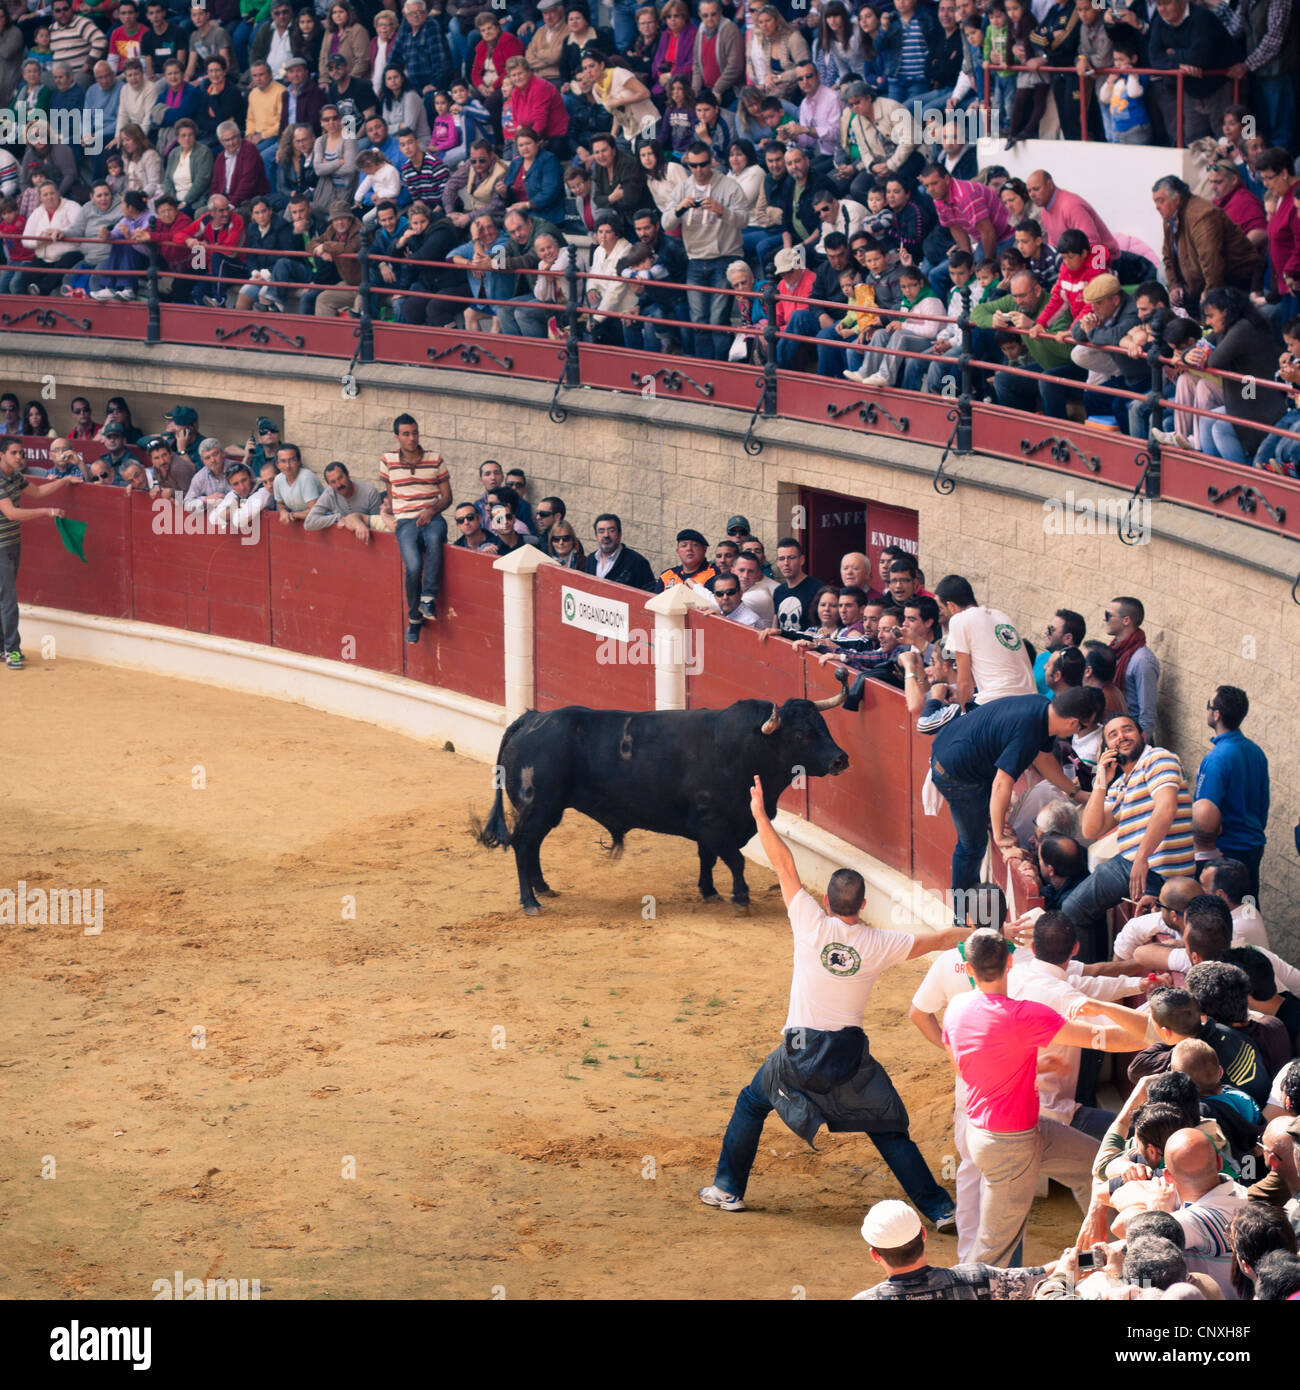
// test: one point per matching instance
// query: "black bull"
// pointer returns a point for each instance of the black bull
(676, 772)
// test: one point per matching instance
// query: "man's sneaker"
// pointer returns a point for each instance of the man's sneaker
(947, 1222)
(413, 632)
(102, 293)
(724, 1201)
(429, 609)
(268, 301)
(126, 294)
(876, 379)
(213, 302)
(15, 660)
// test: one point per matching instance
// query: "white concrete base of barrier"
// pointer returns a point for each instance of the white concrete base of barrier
(424, 712)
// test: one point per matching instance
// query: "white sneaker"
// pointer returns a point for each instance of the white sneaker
(724, 1201)
(126, 294)
(101, 294)
(850, 375)
(875, 379)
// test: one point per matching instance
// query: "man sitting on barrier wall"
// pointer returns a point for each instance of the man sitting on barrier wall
(419, 491)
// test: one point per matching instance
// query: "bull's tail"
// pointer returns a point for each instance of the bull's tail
(496, 833)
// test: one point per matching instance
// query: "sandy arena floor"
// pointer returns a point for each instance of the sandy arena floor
(560, 1163)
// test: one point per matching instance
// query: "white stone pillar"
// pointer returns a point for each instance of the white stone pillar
(517, 570)
(670, 609)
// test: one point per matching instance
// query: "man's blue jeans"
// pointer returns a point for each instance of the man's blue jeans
(969, 804)
(709, 308)
(421, 551)
(526, 319)
(1104, 888)
(1092, 1122)
(740, 1147)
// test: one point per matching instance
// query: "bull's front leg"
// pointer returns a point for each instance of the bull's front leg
(707, 860)
(735, 861)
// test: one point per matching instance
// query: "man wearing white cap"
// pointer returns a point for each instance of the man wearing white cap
(897, 1240)
(823, 1072)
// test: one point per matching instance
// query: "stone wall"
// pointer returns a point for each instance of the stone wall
(1217, 592)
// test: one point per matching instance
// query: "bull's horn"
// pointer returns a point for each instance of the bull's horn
(772, 724)
(832, 701)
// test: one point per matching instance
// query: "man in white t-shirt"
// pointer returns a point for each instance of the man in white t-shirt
(991, 659)
(823, 1072)
(755, 588)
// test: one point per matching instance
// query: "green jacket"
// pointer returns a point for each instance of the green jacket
(1046, 352)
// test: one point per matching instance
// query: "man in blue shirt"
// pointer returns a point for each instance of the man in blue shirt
(977, 759)
(1230, 805)
(1067, 629)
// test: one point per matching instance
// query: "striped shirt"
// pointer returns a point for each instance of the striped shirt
(968, 204)
(1131, 800)
(75, 41)
(413, 486)
(1205, 1224)
(914, 52)
(426, 183)
(11, 487)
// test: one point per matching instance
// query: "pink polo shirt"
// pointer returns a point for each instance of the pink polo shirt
(1070, 210)
(995, 1042)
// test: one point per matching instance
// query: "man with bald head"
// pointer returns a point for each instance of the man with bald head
(1059, 209)
(1203, 1202)
(1165, 924)
(1281, 1144)
(855, 572)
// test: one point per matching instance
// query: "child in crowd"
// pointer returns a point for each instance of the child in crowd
(1040, 257)
(1009, 262)
(1277, 453)
(1124, 94)
(445, 137)
(677, 128)
(997, 56)
(41, 51)
(115, 174)
(16, 254)
(1031, 89)
(380, 181)
(472, 117)
(986, 275)
(879, 221)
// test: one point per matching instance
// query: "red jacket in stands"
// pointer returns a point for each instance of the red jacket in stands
(506, 47)
(171, 237)
(241, 178)
(538, 105)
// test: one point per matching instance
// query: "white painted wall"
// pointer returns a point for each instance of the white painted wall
(1115, 179)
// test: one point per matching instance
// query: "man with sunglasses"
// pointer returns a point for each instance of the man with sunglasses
(711, 215)
(549, 511)
(262, 444)
(471, 535)
(731, 606)
(85, 426)
(75, 39)
(476, 187)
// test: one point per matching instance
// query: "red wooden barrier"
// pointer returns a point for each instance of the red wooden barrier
(1268, 499)
(465, 650)
(825, 401)
(671, 378)
(335, 598)
(50, 576)
(871, 804)
(567, 669)
(732, 664)
(209, 582)
(1090, 455)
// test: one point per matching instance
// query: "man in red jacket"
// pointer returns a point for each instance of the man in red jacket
(217, 233)
(238, 171)
(532, 102)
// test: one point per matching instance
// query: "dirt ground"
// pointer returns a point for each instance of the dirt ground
(528, 1104)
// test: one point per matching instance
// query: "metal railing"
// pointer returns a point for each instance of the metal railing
(1084, 96)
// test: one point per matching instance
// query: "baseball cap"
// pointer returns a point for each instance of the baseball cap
(336, 60)
(551, 5)
(890, 1224)
(182, 415)
(689, 535)
(265, 425)
(737, 523)
(1100, 288)
(114, 427)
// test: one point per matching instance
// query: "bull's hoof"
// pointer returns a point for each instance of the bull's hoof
(741, 903)
(544, 891)
(533, 910)
(710, 897)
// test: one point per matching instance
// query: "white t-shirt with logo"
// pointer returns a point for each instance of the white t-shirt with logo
(836, 965)
(998, 661)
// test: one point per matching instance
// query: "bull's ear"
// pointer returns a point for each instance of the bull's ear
(772, 723)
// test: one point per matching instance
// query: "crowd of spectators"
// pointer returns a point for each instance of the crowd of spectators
(826, 151)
